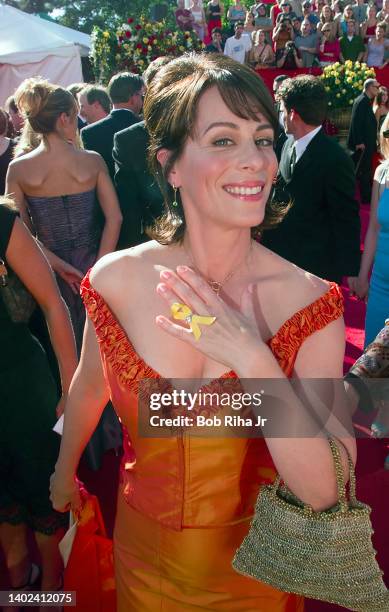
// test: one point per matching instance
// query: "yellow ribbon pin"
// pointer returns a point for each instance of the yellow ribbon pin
(181, 312)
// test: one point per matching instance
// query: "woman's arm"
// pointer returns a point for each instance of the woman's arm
(87, 398)
(370, 244)
(39, 280)
(108, 200)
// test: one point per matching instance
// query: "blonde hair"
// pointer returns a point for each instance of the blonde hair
(41, 103)
(28, 141)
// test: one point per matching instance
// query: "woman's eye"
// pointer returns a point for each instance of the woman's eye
(223, 142)
(264, 142)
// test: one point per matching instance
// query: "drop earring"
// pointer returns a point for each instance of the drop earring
(175, 203)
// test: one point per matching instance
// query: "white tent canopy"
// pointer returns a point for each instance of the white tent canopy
(83, 41)
(29, 48)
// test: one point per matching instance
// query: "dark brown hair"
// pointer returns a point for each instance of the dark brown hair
(170, 111)
(306, 95)
(41, 103)
(3, 122)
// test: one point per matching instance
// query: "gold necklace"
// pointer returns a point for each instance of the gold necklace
(217, 286)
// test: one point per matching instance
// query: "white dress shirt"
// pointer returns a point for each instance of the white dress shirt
(301, 144)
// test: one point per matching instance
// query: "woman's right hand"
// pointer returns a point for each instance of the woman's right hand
(69, 274)
(65, 494)
(361, 287)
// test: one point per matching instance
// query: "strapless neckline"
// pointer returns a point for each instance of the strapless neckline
(64, 195)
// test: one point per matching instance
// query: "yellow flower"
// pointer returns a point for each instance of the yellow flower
(141, 62)
(337, 82)
(338, 95)
(155, 42)
(181, 48)
(328, 89)
(350, 101)
(149, 47)
(117, 57)
(343, 91)
(349, 80)
(145, 40)
(106, 34)
(190, 40)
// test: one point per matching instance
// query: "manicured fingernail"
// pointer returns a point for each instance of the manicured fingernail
(161, 288)
(166, 274)
(182, 269)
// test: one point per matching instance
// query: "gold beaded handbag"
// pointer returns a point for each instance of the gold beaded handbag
(324, 555)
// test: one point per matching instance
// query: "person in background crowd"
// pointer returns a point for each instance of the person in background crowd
(282, 34)
(262, 21)
(280, 136)
(337, 7)
(238, 46)
(286, 10)
(139, 195)
(16, 118)
(381, 107)
(289, 58)
(75, 89)
(94, 103)
(216, 45)
(184, 18)
(275, 11)
(343, 20)
(162, 515)
(351, 44)
(236, 13)
(321, 231)
(29, 408)
(57, 189)
(306, 44)
(261, 54)
(6, 149)
(296, 25)
(126, 91)
(383, 14)
(376, 47)
(249, 27)
(327, 19)
(362, 137)
(376, 248)
(214, 13)
(329, 50)
(368, 27)
(308, 15)
(359, 11)
(199, 21)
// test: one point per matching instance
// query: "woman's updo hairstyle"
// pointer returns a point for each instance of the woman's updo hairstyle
(41, 103)
(170, 110)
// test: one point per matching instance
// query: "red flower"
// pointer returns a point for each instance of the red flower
(120, 38)
(138, 27)
(128, 34)
(139, 46)
(186, 36)
(144, 50)
(130, 20)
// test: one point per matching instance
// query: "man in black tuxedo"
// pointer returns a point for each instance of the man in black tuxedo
(321, 231)
(140, 198)
(126, 91)
(362, 138)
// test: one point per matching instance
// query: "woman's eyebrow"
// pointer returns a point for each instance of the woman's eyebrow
(260, 127)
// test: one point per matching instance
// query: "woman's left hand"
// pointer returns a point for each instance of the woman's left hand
(233, 335)
(61, 405)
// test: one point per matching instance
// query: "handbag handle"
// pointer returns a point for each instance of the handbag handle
(342, 495)
(3, 274)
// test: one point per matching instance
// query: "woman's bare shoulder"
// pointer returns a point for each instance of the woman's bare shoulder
(125, 269)
(287, 289)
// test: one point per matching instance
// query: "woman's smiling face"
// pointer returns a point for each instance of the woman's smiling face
(226, 170)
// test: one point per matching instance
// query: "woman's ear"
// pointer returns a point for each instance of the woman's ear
(163, 156)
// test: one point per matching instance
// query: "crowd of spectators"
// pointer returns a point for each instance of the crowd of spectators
(291, 34)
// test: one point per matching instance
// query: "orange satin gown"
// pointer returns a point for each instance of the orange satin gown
(185, 503)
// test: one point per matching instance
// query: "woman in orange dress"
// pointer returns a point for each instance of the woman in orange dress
(185, 502)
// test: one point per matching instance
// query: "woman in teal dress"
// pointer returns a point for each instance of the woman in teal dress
(376, 249)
